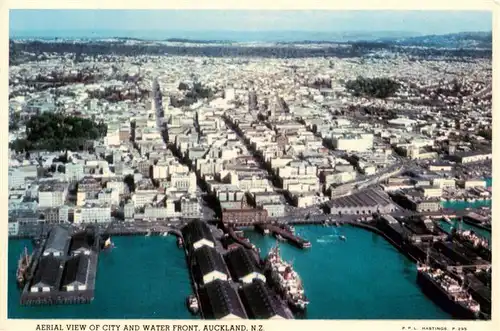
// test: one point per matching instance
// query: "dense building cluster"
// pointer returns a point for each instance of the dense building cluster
(259, 138)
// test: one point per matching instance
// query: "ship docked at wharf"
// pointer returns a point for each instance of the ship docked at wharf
(285, 280)
(473, 241)
(471, 238)
(22, 268)
(447, 292)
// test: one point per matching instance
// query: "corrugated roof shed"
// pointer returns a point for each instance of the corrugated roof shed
(81, 240)
(367, 198)
(260, 302)
(241, 262)
(76, 270)
(57, 240)
(219, 299)
(47, 273)
(208, 259)
(196, 230)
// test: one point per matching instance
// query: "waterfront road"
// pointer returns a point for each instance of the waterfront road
(321, 218)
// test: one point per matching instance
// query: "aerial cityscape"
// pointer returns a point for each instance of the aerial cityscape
(219, 173)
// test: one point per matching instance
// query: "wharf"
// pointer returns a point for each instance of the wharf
(486, 227)
(64, 297)
(214, 281)
(57, 294)
(296, 240)
(230, 231)
(480, 292)
(142, 231)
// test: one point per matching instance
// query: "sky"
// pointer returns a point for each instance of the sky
(420, 22)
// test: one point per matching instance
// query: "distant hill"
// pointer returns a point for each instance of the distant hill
(452, 40)
(194, 41)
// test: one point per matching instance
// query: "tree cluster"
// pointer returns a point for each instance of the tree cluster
(130, 182)
(321, 83)
(485, 133)
(372, 87)
(14, 120)
(197, 92)
(115, 95)
(53, 132)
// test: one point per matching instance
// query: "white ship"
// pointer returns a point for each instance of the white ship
(285, 279)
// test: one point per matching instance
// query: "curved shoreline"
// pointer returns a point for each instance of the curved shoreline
(386, 237)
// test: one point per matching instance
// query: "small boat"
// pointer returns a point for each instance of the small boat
(108, 244)
(192, 304)
(180, 242)
(342, 238)
(148, 233)
(164, 234)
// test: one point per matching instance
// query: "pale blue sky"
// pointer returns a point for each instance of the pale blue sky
(424, 22)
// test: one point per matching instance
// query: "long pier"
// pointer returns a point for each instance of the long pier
(296, 240)
(232, 234)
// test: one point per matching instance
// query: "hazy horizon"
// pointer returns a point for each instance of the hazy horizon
(235, 25)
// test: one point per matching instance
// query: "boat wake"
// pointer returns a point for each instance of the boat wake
(330, 238)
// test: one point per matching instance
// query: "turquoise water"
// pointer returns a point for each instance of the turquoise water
(146, 277)
(464, 204)
(363, 277)
(489, 181)
(143, 277)
(447, 227)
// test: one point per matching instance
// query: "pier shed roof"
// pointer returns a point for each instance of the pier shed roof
(208, 260)
(47, 272)
(260, 302)
(367, 198)
(57, 241)
(76, 271)
(219, 300)
(197, 231)
(243, 265)
(81, 241)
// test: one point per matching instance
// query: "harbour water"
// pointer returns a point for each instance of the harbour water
(462, 205)
(363, 277)
(465, 204)
(455, 224)
(142, 277)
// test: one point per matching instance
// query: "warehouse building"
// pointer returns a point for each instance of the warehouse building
(47, 275)
(363, 203)
(57, 242)
(221, 301)
(197, 234)
(209, 265)
(75, 273)
(260, 303)
(82, 243)
(243, 266)
(417, 201)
